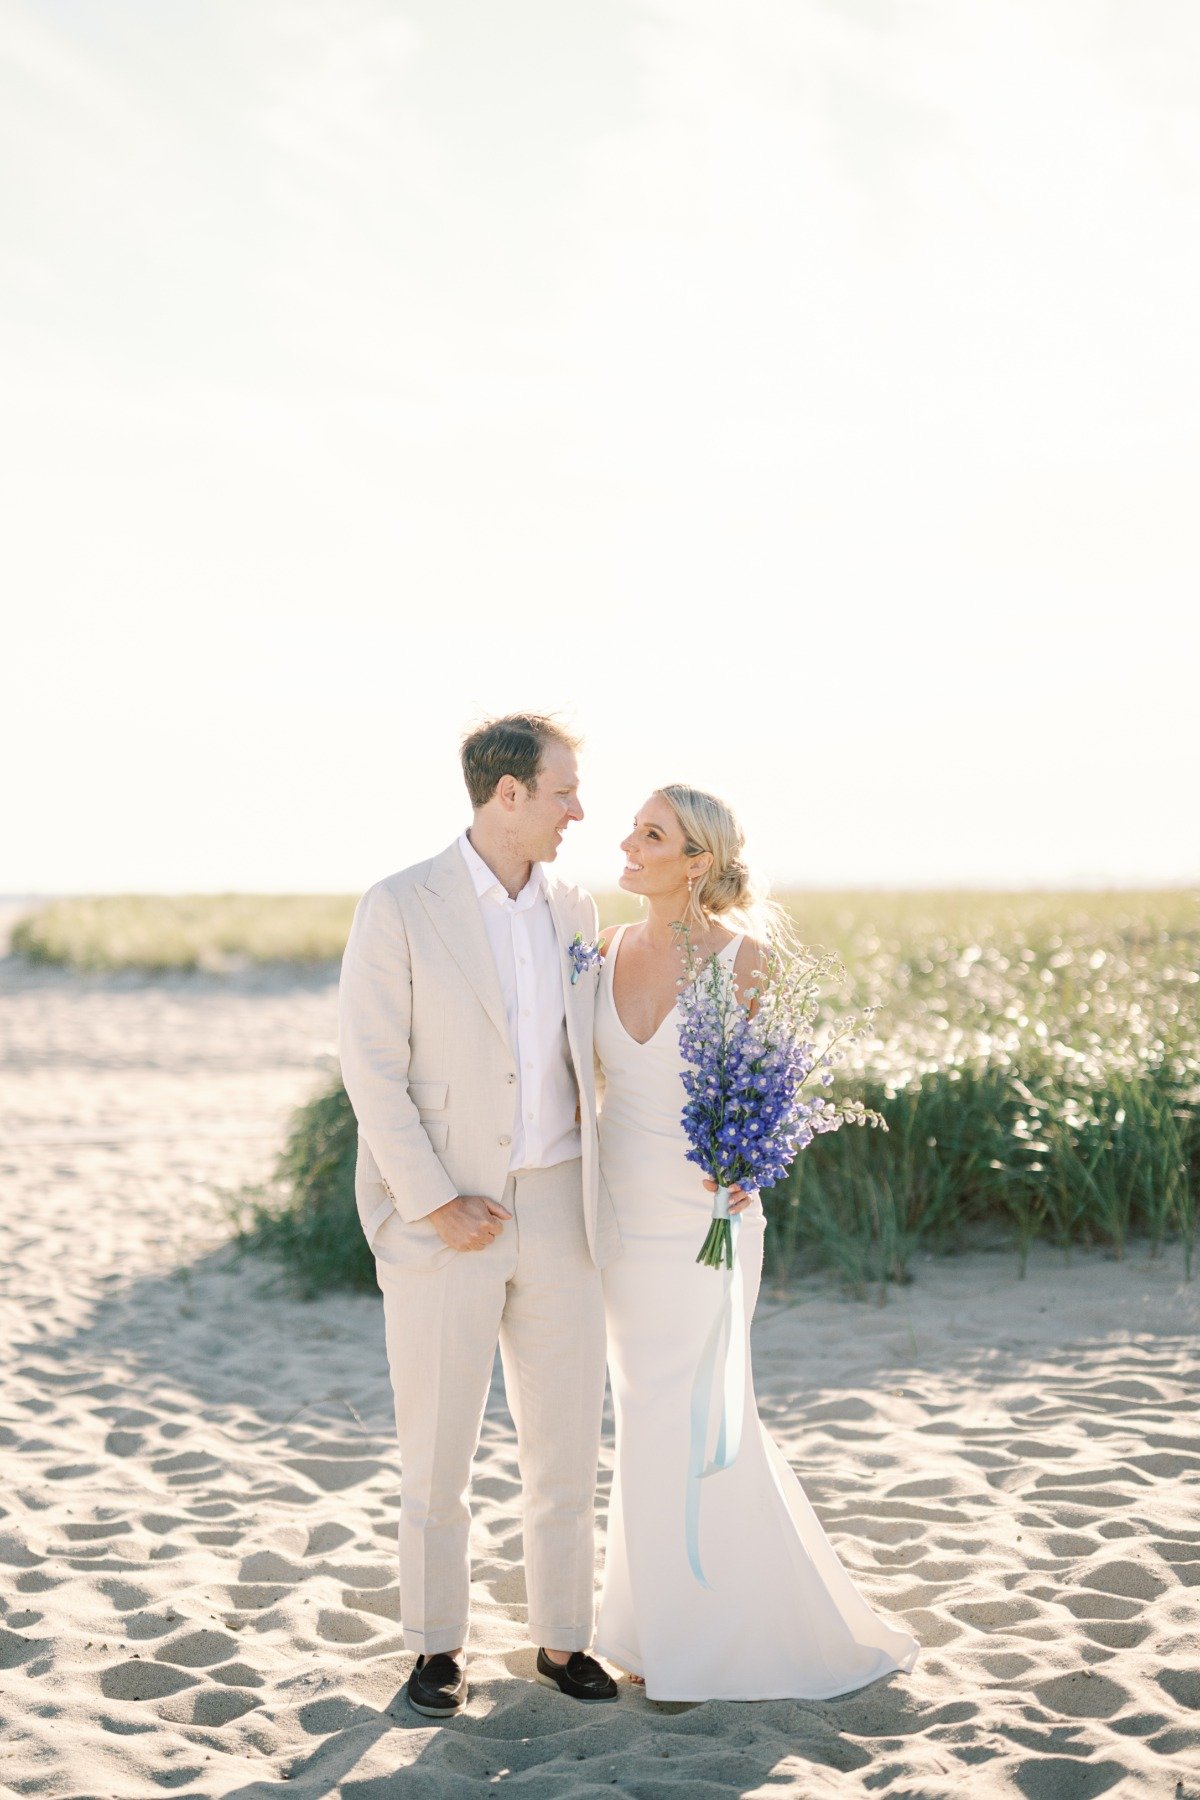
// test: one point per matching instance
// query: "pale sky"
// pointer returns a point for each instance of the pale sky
(801, 395)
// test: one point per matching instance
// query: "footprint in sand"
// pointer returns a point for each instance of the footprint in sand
(255, 1597)
(1069, 1543)
(1082, 1695)
(939, 1488)
(15, 1649)
(186, 1467)
(1183, 1685)
(333, 1475)
(82, 1533)
(1055, 1777)
(1130, 1390)
(325, 1538)
(1133, 1581)
(338, 1627)
(137, 1680)
(1114, 1634)
(321, 1718)
(123, 1443)
(383, 1603)
(1162, 1463)
(21, 1621)
(235, 1674)
(198, 1649)
(1005, 1665)
(149, 1625)
(264, 1566)
(995, 1615)
(1183, 1556)
(212, 1707)
(35, 1582)
(1089, 1605)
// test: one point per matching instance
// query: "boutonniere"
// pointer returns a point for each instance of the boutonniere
(583, 957)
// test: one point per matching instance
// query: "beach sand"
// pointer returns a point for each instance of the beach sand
(199, 1484)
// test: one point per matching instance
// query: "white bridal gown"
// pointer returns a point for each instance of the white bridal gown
(781, 1618)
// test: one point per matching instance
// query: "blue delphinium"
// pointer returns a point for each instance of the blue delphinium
(746, 1115)
(583, 957)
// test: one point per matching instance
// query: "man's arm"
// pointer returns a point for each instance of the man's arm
(374, 1030)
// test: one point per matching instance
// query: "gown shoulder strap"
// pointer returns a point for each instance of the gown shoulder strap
(614, 944)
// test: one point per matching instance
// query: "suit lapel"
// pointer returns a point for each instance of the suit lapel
(450, 899)
(564, 967)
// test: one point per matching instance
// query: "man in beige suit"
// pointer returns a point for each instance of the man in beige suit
(466, 1050)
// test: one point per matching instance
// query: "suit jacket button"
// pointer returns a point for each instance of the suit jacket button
(505, 1139)
(510, 1078)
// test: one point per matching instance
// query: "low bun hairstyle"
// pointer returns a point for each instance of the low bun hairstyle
(731, 891)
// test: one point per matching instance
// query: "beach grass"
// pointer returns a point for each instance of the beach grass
(1037, 1058)
(161, 932)
(158, 932)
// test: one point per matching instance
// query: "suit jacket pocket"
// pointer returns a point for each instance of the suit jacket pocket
(428, 1096)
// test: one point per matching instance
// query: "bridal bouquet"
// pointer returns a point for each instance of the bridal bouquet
(748, 1114)
(747, 1117)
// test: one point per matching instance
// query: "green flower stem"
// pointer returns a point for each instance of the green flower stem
(717, 1248)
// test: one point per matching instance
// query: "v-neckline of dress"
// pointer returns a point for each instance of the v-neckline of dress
(644, 1043)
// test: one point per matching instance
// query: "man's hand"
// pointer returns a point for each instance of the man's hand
(470, 1222)
(739, 1198)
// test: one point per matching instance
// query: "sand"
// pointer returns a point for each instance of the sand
(199, 1487)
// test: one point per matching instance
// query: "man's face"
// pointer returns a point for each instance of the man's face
(542, 817)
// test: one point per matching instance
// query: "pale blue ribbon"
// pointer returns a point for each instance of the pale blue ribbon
(722, 1366)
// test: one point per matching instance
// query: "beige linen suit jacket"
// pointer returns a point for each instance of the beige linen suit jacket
(426, 1058)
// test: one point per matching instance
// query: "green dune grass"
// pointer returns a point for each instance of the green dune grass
(157, 932)
(215, 931)
(1037, 1058)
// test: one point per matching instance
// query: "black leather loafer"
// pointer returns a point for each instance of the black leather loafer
(437, 1687)
(581, 1676)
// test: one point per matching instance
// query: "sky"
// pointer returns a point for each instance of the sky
(801, 397)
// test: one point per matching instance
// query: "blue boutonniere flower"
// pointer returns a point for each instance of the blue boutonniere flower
(583, 957)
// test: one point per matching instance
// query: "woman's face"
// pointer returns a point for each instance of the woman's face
(656, 860)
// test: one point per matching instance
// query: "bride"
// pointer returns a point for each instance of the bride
(780, 1617)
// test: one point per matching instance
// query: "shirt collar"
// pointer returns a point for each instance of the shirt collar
(488, 885)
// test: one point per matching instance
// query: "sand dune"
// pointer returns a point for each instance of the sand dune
(199, 1500)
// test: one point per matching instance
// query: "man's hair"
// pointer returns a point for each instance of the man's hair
(512, 746)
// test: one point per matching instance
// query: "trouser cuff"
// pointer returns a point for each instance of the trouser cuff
(434, 1643)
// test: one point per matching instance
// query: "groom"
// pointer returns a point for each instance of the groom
(466, 1050)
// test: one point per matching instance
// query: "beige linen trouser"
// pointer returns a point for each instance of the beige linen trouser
(536, 1289)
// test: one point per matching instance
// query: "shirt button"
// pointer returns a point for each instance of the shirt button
(505, 1139)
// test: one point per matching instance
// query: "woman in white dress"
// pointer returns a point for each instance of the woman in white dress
(780, 1618)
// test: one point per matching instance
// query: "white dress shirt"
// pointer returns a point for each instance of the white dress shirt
(529, 962)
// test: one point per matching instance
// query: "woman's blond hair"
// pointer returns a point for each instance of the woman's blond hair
(726, 891)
